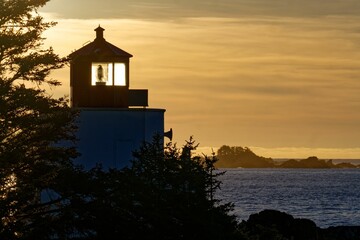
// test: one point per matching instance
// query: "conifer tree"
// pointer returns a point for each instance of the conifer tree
(166, 193)
(34, 127)
(175, 189)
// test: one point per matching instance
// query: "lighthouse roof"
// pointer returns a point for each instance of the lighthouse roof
(100, 47)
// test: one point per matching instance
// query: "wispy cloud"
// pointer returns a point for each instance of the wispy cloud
(164, 9)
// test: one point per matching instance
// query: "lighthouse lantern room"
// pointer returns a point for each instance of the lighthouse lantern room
(100, 76)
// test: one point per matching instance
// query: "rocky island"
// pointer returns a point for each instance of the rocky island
(239, 157)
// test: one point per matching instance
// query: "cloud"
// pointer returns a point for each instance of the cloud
(164, 9)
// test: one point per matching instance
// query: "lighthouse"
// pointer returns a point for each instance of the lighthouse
(114, 120)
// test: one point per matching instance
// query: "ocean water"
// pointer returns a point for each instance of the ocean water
(329, 197)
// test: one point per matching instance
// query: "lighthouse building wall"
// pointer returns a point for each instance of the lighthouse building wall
(109, 136)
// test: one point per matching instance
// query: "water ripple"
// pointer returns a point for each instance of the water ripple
(329, 197)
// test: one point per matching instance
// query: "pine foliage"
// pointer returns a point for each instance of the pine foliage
(34, 127)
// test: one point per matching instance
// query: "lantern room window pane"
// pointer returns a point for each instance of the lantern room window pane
(120, 76)
(101, 74)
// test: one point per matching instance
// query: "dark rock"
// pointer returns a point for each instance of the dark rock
(345, 165)
(304, 229)
(276, 225)
(272, 224)
(341, 233)
(310, 162)
(291, 164)
(272, 218)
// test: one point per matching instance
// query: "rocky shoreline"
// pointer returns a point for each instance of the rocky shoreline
(276, 225)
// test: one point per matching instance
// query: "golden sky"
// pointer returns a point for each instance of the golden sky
(279, 76)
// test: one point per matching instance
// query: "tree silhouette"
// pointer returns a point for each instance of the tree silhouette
(179, 190)
(32, 124)
(167, 193)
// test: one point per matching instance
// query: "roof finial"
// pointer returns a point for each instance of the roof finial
(99, 32)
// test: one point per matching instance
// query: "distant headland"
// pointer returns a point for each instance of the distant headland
(243, 157)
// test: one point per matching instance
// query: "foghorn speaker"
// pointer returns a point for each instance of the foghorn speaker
(169, 134)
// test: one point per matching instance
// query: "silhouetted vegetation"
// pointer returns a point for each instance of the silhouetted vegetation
(165, 194)
(235, 157)
(31, 122)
